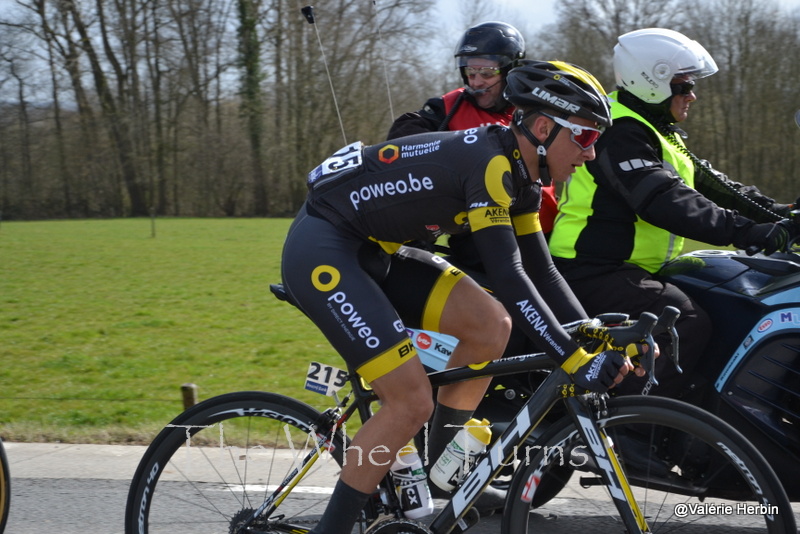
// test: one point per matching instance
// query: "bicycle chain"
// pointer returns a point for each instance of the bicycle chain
(397, 526)
(244, 516)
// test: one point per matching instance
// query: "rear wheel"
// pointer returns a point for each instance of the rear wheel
(688, 470)
(5, 488)
(215, 464)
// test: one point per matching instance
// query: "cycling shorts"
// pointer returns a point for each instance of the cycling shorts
(360, 297)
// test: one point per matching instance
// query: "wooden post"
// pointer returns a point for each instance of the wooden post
(152, 221)
(189, 392)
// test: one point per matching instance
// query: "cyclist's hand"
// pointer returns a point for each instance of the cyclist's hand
(602, 372)
(635, 351)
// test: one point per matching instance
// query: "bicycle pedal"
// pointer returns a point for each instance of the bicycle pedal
(469, 520)
(589, 481)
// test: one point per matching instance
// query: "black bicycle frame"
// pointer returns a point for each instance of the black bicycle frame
(557, 386)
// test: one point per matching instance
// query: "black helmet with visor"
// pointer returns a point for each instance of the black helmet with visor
(496, 41)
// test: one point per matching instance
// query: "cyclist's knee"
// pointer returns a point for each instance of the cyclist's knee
(410, 412)
(489, 335)
(420, 410)
(407, 392)
(498, 332)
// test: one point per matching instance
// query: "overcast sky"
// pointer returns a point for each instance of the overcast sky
(545, 12)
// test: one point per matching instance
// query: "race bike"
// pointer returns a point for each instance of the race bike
(752, 363)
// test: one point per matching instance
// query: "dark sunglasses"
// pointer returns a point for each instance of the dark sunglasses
(682, 88)
(583, 136)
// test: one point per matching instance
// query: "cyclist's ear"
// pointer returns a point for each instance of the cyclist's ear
(541, 127)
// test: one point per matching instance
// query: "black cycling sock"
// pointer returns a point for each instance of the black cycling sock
(445, 425)
(342, 512)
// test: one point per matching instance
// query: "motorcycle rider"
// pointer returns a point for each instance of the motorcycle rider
(364, 202)
(484, 55)
(626, 213)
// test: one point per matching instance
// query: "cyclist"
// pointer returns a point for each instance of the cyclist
(484, 55)
(625, 214)
(345, 266)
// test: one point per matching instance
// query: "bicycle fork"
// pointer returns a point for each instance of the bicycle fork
(610, 470)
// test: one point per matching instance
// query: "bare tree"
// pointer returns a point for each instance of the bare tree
(251, 98)
(744, 135)
(114, 107)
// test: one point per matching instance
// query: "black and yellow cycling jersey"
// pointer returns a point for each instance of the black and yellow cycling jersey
(345, 264)
(422, 186)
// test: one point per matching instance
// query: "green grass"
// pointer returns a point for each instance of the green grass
(101, 323)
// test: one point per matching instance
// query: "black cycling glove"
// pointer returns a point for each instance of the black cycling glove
(595, 372)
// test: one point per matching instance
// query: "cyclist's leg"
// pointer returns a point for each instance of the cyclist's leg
(333, 282)
(482, 325)
(453, 304)
(447, 301)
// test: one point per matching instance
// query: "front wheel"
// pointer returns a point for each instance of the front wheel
(215, 464)
(688, 470)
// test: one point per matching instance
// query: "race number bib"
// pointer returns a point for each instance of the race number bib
(344, 159)
(325, 379)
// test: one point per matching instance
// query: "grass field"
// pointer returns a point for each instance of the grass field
(101, 323)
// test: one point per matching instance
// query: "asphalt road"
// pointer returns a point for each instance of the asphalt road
(81, 489)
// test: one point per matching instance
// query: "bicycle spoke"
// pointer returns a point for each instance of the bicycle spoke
(233, 465)
(689, 473)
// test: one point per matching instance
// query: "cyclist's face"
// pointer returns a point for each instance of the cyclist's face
(564, 156)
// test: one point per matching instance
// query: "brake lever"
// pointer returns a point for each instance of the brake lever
(666, 324)
(645, 325)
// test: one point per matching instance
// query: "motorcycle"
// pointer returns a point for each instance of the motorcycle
(752, 363)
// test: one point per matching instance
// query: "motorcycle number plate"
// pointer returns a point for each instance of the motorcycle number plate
(325, 379)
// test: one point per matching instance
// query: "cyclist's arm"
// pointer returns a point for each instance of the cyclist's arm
(501, 258)
(540, 269)
(426, 119)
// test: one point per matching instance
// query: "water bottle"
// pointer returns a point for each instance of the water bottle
(459, 455)
(412, 484)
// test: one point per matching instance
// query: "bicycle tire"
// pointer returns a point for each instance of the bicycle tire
(239, 446)
(680, 460)
(5, 488)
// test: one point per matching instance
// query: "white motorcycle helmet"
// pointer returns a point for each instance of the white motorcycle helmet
(645, 61)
